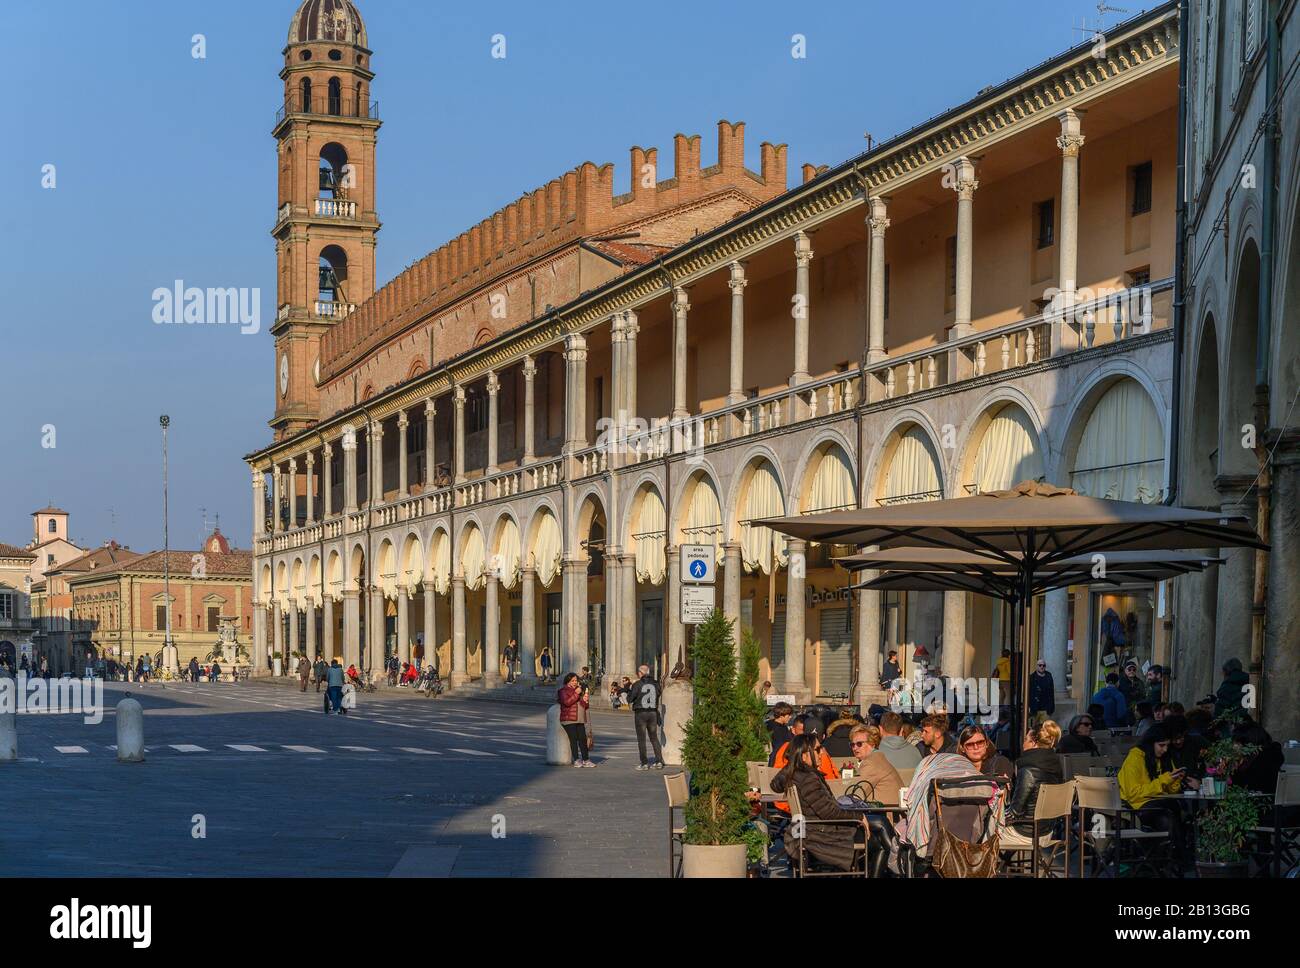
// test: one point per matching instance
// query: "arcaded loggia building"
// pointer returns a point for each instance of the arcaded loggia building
(512, 438)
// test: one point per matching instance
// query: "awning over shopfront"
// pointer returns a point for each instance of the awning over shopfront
(651, 564)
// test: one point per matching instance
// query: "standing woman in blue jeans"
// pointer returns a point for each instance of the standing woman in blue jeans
(573, 707)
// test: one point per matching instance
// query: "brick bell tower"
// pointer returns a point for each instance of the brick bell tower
(325, 225)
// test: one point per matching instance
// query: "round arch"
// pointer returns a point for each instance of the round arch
(647, 533)
(504, 548)
(545, 544)
(761, 494)
(1003, 445)
(1116, 440)
(411, 571)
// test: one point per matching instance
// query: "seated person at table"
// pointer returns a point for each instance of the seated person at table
(1038, 764)
(1145, 718)
(1149, 781)
(984, 756)
(1097, 713)
(1259, 773)
(1186, 751)
(1113, 703)
(935, 737)
(779, 727)
(353, 675)
(872, 765)
(837, 733)
(1078, 738)
(894, 747)
(809, 726)
(832, 844)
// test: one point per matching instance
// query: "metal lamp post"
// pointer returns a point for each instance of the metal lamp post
(169, 650)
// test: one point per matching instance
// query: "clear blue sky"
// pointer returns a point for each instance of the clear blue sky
(165, 170)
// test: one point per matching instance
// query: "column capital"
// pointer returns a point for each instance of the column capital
(617, 333)
(1071, 137)
(681, 302)
(803, 251)
(963, 178)
(630, 327)
(737, 282)
(327, 453)
(259, 479)
(430, 408)
(575, 348)
(458, 396)
(402, 420)
(530, 368)
(349, 438)
(377, 430)
(310, 459)
(493, 384)
(878, 219)
(293, 464)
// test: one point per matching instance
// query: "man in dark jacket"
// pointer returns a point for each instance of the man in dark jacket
(1233, 687)
(1038, 764)
(643, 698)
(320, 671)
(890, 672)
(1112, 702)
(1042, 691)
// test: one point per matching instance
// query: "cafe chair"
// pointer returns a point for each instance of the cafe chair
(1120, 838)
(1274, 845)
(751, 772)
(1052, 809)
(678, 794)
(806, 864)
(1077, 764)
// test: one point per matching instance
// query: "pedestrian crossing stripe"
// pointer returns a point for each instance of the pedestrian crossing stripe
(245, 748)
(359, 749)
(187, 748)
(302, 749)
(471, 752)
(414, 749)
(516, 742)
(520, 753)
(72, 749)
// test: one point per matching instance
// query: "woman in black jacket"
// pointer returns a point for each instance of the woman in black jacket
(1079, 737)
(1038, 764)
(833, 844)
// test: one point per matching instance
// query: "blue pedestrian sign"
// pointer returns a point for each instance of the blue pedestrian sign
(699, 564)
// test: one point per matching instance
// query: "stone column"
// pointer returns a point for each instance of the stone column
(627, 614)
(377, 463)
(293, 493)
(351, 628)
(295, 643)
(673, 610)
(1056, 630)
(870, 660)
(493, 388)
(458, 419)
(277, 629)
(327, 486)
(259, 638)
(737, 283)
(680, 308)
(731, 587)
(403, 624)
(492, 634)
(575, 395)
(952, 657)
(311, 486)
(1067, 240)
(259, 503)
(528, 625)
(377, 626)
(327, 628)
(430, 412)
(964, 184)
(311, 631)
(403, 492)
(878, 221)
(349, 446)
(459, 657)
(277, 492)
(630, 329)
(1280, 689)
(574, 650)
(614, 662)
(1236, 587)
(803, 254)
(430, 621)
(530, 406)
(795, 607)
(618, 371)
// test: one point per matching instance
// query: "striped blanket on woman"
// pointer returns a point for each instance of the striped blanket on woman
(920, 811)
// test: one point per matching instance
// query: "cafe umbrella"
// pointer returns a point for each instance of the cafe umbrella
(1029, 529)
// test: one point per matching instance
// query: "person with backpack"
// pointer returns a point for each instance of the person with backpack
(334, 687)
(546, 663)
(643, 698)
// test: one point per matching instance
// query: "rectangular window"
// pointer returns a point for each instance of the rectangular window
(554, 612)
(1045, 215)
(6, 605)
(476, 411)
(213, 614)
(1141, 188)
(160, 618)
(1140, 277)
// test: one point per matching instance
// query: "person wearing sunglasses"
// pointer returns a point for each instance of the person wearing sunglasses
(984, 756)
(1042, 691)
(872, 765)
(1078, 737)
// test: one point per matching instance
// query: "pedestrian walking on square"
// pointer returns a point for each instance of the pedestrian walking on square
(214, 674)
(546, 663)
(304, 673)
(333, 687)
(45, 668)
(394, 669)
(321, 670)
(512, 653)
(643, 697)
(194, 669)
(573, 708)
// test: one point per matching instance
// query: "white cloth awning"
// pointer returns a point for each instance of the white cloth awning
(761, 547)
(648, 536)
(548, 546)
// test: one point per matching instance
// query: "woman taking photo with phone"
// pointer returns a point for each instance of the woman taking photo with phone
(573, 702)
(1149, 783)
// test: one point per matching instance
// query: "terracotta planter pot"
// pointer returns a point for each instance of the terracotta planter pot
(1208, 868)
(728, 861)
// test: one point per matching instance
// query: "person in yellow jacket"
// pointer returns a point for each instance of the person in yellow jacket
(1149, 782)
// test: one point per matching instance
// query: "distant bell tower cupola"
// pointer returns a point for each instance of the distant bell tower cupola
(326, 222)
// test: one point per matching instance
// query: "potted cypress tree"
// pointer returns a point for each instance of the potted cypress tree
(717, 812)
(753, 710)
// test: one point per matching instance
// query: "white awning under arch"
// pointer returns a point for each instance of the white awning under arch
(704, 517)
(1121, 454)
(506, 561)
(760, 547)
(548, 546)
(832, 487)
(648, 537)
(1008, 452)
(441, 563)
(473, 560)
(913, 470)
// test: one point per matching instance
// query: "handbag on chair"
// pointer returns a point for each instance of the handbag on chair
(953, 857)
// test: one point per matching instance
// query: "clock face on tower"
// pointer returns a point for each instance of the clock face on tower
(284, 375)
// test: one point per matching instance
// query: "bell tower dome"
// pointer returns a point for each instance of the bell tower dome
(325, 224)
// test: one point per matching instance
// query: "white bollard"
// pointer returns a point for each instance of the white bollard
(679, 700)
(130, 731)
(8, 736)
(558, 752)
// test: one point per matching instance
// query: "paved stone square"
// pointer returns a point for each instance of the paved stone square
(402, 786)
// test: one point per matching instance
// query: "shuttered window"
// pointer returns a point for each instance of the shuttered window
(778, 651)
(835, 658)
